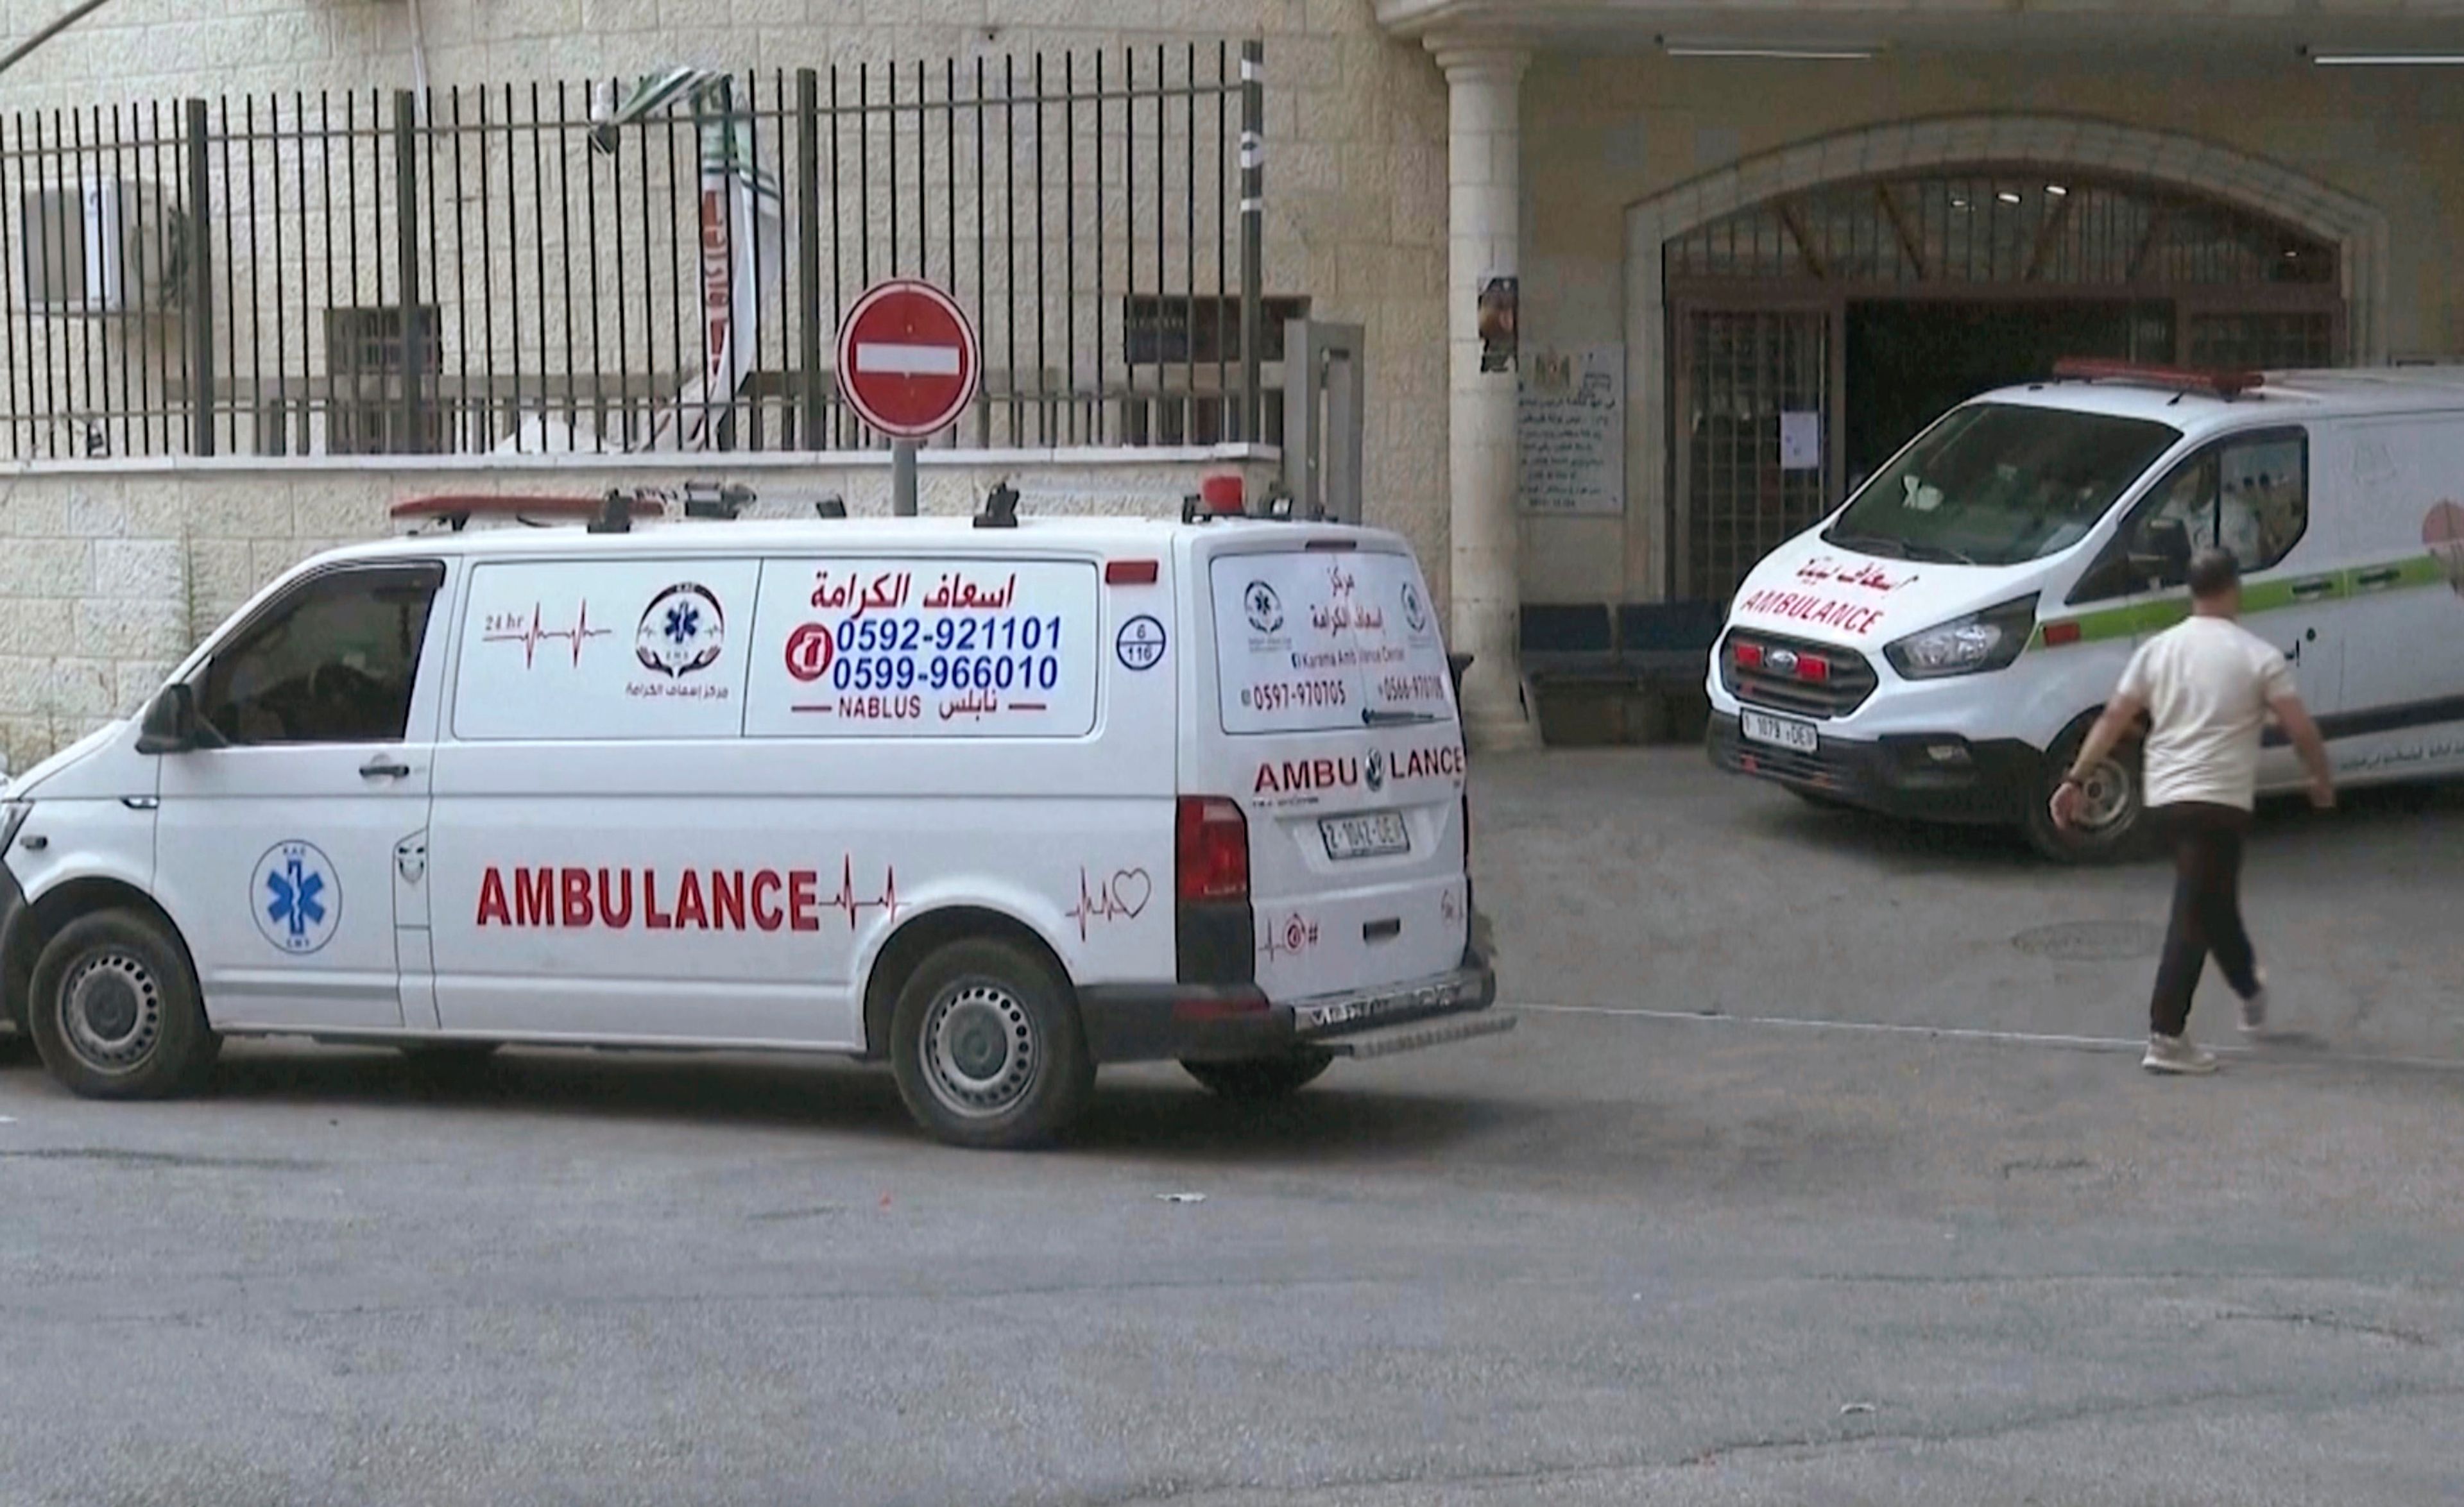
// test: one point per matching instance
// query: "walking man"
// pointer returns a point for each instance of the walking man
(2208, 688)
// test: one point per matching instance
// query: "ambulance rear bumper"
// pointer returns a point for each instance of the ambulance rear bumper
(1202, 1023)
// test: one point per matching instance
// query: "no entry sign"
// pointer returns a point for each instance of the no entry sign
(908, 359)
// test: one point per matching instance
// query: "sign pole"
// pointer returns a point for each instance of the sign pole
(902, 478)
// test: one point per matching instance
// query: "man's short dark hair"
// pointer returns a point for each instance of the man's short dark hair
(2213, 573)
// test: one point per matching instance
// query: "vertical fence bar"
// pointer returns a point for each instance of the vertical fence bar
(808, 257)
(677, 283)
(446, 422)
(461, 283)
(405, 230)
(1043, 258)
(751, 433)
(1162, 278)
(11, 228)
(1189, 252)
(325, 175)
(838, 251)
(598, 309)
(564, 241)
(1223, 420)
(1253, 212)
(201, 284)
(132, 290)
(889, 129)
(984, 283)
(539, 250)
(513, 268)
(280, 405)
(1009, 231)
(75, 181)
(1102, 226)
(1069, 234)
(923, 183)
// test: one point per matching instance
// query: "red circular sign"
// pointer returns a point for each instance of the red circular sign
(908, 359)
(810, 649)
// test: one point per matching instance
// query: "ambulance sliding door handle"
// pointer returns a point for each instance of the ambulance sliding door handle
(381, 767)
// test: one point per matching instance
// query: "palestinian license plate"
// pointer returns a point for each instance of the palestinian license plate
(1778, 732)
(1373, 835)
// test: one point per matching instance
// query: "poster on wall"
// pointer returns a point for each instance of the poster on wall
(1571, 418)
(1501, 300)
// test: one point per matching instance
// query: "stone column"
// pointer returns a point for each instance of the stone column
(1484, 236)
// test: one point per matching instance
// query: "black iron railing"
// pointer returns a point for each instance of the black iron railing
(649, 265)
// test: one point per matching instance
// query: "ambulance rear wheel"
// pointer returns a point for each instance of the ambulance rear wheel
(114, 1012)
(986, 1045)
(1263, 1077)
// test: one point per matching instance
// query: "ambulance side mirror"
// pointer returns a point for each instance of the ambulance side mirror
(171, 724)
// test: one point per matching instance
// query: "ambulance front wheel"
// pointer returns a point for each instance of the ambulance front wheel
(2112, 818)
(1263, 1077)
(115, 1011)
(987, 1047)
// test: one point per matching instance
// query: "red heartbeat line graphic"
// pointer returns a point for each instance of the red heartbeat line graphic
(1296, 935)
(530, 636)
(1119, 898)
(845, 900)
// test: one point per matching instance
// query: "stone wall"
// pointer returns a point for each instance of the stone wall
(109, 576)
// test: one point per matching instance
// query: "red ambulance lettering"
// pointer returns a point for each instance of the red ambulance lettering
(491, 899)
(534, 897)
(766, 913)
(727, 900)
(653, 916)
(690, 914)
(1446, 763)
(1299, 776)
(616, 909)
(574, 885)
(804, 899)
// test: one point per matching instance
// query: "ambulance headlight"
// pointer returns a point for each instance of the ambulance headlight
(1981, 640)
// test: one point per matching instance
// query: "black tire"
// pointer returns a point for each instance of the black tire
(114, 1010)
(987, 1046)
(1261, 1079)
(2116, 787)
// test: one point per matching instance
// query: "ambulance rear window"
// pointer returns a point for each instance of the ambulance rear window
(1323, 642)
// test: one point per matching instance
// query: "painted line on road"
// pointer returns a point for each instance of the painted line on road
(2071, 1043)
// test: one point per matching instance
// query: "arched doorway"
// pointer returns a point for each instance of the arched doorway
(1816, 332)
(1749, 315)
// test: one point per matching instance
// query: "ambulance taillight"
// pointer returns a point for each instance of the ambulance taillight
(1211, 851)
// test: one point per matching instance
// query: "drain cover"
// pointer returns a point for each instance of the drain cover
(2092, 941)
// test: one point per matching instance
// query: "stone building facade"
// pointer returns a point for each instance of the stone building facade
(1734, 220)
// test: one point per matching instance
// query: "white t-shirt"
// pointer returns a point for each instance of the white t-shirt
(2205, 684)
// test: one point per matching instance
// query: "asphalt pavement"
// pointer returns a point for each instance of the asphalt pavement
(1821, 1171)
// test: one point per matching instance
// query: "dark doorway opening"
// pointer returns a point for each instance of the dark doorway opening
(1910, 361)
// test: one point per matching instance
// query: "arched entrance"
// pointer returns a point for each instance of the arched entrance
(1796, 317)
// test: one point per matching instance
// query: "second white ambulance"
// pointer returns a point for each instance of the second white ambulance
(1940, 646)
(996, 804)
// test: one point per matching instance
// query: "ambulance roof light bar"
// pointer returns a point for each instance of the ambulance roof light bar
(2224, 385)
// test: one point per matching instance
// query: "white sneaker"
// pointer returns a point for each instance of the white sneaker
(2254, 1010)
(2177, 1055)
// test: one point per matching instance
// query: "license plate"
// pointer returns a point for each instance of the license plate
(1373, 835)
(1779, 731)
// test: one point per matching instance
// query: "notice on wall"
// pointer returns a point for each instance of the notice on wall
(1800, 440)
(1571, 417)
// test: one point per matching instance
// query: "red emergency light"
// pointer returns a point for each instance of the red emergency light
(2227, 384)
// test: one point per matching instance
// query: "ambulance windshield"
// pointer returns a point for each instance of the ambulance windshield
(1998, 484)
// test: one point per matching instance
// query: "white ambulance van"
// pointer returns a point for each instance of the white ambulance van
(1938, 647)
(996, 804)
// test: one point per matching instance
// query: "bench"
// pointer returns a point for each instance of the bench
(1650, 655)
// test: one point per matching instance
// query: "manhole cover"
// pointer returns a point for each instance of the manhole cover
(2092, 941)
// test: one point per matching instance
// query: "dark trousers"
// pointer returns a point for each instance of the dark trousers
(2207, 910)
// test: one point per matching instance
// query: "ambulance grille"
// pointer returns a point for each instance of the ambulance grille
(1779, 675)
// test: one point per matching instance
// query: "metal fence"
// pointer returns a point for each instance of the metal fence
(656, 264)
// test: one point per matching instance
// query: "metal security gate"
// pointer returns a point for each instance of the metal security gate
(1748, 381)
